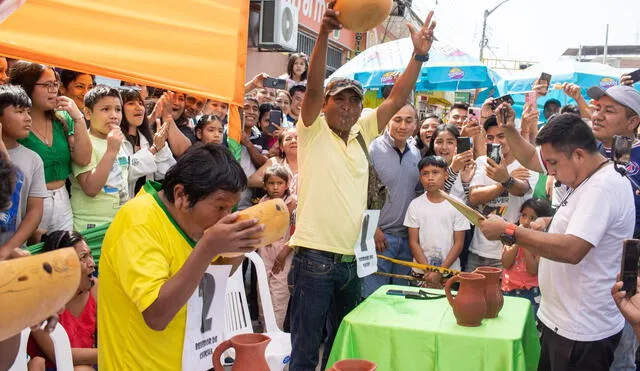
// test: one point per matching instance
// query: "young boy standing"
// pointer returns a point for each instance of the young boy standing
(100, 188)
(20, 220)
(436, 229)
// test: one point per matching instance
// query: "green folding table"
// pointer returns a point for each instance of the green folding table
(408, 334)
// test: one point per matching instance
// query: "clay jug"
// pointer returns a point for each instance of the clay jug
(250, 350)
(492, 290)
(353, 365)
(362, 15)
(469, 305)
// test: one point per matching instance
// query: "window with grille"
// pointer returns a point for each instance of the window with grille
(334, 55)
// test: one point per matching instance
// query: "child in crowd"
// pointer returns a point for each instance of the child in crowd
(79, 316)
(149, 155)
(100, 188)
(214, 107)
(444, 143)
(277, 256)
(436, 229)
(270, 130)
(19, 221)
(210, 129)
(520, 265)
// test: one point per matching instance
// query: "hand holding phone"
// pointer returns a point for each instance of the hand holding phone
(275, 121)
(632, 77)
(629, 266)
(464, 144)
(543, 84)
(494, 152)
(271, 82)
(498, 101)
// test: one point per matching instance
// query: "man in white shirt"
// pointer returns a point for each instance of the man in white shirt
(498, 189)
(580, 254)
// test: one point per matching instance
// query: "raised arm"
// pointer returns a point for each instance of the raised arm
(422, 40)
(82, 147)
(523, 151)
(92, 181)
(314, 96)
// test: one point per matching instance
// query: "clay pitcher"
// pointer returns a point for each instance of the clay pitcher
(353, 365)
(250, 350)
(469, 305)
(492, 290)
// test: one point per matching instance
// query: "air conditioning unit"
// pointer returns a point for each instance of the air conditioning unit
(278, 26)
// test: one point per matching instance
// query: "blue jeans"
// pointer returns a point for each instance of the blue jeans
(532, 294)
(624, 357)
(398, 248)
(324, 291)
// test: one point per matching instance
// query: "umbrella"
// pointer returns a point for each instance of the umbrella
(448, 67)
(584, 74)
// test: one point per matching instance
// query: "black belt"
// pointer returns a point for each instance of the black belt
(337, 258)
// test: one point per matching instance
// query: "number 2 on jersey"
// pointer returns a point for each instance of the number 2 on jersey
(206, 289)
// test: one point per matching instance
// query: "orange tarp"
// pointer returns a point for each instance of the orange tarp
(195, 46)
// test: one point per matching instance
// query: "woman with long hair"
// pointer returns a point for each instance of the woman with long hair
(58, 135)
(461, 166)
(79, 315)
(149, 154)
(287, 156)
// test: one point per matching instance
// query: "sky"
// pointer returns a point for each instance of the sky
(533, 30)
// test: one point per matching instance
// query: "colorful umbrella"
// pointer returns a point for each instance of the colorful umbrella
(448, 67)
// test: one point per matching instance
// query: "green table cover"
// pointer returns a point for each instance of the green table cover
(401, 334)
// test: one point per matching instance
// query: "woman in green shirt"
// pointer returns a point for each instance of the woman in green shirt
(58, 135)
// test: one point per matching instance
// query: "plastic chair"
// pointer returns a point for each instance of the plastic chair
(61, 346)
(20, 364)
(62, 349)
(238, 319)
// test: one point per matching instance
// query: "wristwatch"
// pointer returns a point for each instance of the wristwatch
(508, 183)
(421, 58)
(509, 236)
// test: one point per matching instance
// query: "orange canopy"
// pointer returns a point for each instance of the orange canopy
(198, 47)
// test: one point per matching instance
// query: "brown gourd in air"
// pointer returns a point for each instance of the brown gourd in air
(274, 214)
(362, 15)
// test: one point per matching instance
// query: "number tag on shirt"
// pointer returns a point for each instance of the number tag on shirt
(205, 319)
(365, 248)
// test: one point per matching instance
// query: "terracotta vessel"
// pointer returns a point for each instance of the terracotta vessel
(469, 305)
(492, 290)
(274, 214)
(250, 350)
(35, 287)
(353, 365)
(362, 15)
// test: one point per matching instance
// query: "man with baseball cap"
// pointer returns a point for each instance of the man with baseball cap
(618, 113)
(332, 192)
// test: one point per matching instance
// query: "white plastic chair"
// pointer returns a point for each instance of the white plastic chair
(61, 346)
(238, 319)
(20, 364)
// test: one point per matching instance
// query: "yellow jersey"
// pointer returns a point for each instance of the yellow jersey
(143, 248)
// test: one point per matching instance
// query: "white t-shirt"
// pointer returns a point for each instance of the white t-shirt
(576, 299)
(437, 222)
(457, 190)
(506, 206)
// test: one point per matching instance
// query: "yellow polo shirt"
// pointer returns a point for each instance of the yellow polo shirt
(143, 248)
(332, 185)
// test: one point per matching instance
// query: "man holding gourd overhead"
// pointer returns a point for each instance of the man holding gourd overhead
(332, 191)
